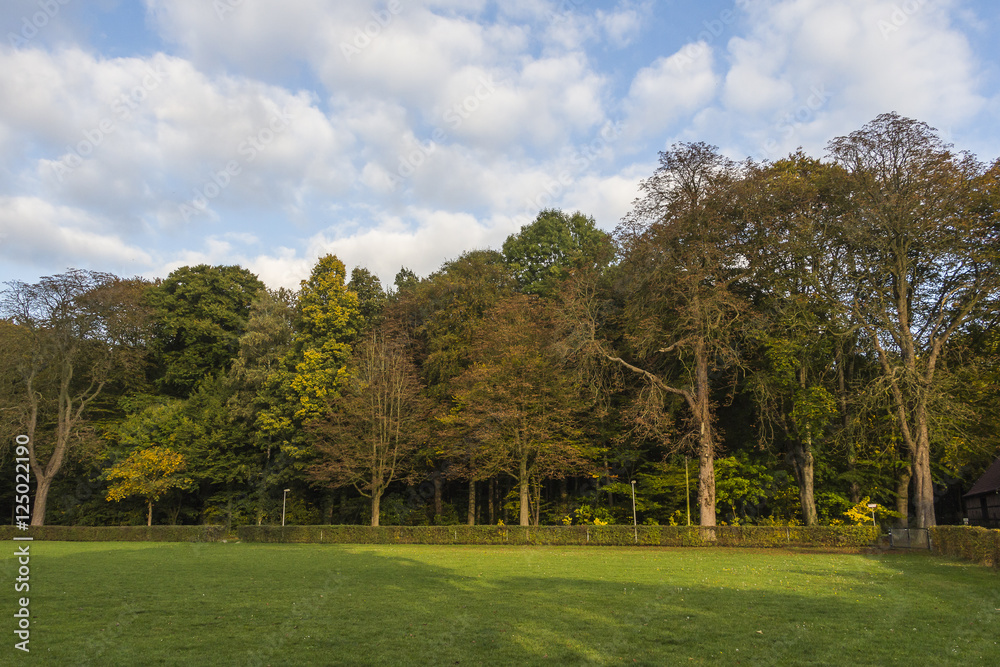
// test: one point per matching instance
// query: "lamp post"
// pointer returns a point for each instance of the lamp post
(872, 507)
(284, 496)
(635, 525)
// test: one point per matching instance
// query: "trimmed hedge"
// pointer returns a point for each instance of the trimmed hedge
(117, 533)
(665, 536)
(979, 545)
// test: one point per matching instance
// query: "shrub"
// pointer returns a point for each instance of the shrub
(596, 535)
(117, 533)
(979, 545)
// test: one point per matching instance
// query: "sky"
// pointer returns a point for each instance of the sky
(140, 136)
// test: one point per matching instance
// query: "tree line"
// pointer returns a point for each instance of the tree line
(756, 342)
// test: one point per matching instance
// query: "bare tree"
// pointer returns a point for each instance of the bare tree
(80, 330)
(376, 423)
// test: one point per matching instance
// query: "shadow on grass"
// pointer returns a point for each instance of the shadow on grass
(337, 605)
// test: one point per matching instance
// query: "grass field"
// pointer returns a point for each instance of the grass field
(229, 604)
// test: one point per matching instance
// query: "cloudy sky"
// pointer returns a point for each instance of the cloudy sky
(141, 136)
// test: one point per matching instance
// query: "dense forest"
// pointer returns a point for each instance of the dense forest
(756, 342)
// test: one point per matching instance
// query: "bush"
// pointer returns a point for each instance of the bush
(117, 533)
(610, 535)
(979, 545)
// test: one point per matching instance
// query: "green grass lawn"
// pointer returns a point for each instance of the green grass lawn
(205, 604)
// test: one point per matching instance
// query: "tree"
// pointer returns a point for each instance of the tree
(444, 311)
(520, 402)
(80, 331)
(148, 473)
(257, 391)
(371, 296)
(683, 257)
(799, 276)
(327, 322)
(542, 254)
(376, 423)
(923, 239)
(201, 312)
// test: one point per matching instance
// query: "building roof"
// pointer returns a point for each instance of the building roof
(988, 483)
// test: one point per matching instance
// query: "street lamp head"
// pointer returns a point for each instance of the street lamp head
(872, 506)
(287, 490)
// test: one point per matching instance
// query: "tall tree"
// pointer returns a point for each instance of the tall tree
(683, 256)
(445, 311)
(520, 401)
(257, 392)
(376, 423)
(799, 274)
(327, 322)
(924, 242)
(81, 331)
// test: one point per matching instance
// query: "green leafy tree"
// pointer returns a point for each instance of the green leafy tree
(201, 313)
(800, 278)
(543, 253)
(371, 296)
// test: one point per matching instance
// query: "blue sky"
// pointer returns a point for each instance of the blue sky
(142, 136)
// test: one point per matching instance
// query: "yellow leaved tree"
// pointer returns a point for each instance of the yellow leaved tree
(148, 473)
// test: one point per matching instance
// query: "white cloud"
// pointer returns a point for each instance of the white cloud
(809, 70)
(670, 88)
(33, 231)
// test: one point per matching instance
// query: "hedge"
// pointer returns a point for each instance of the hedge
(979, 545)
(667, 536)
(117, 533)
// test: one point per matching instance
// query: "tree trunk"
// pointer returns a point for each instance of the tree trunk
(437, 496)
(706, 441)
(491, 491)
(903, 496)
(376, 502)
(924, 483)
(472, 502)
(803, 465)
(42, 485)
(149, 519)
(523, 481)
(845, 423)
(537, 504)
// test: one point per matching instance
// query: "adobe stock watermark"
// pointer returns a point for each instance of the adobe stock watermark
(900, 16)
(454, 116)
(790, 123)
(248, 149)
(365, 35)
(562, 11)
(696, 46)
(577, 163)
(22, 514)
(31, 26)
(223, 8)
(121, 108)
